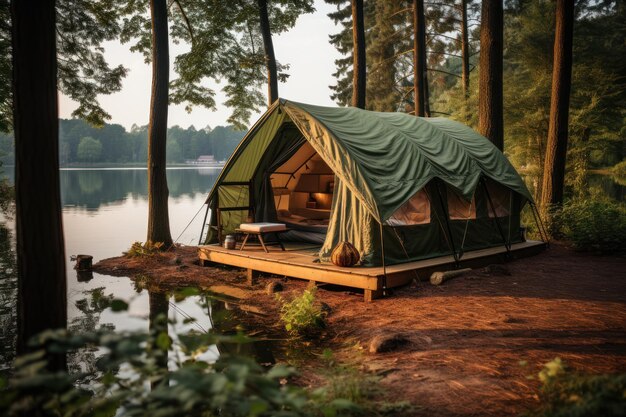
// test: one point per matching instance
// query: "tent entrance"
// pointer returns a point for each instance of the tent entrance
(302, 189)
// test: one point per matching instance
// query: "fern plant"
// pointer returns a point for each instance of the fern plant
(144, 249)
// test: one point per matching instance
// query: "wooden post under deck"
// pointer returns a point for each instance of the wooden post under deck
(371, 295)
(252, 276)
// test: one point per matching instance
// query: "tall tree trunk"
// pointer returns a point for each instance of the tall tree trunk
(490, 102)
(270, 58)
(42, 302)
(556, 149)
(158, 217)
(465, 50)
(419, 57)
(358, 39)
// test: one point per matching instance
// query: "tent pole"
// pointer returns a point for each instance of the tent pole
(382, 249)
(447, 217)
(540, 226)
(507, 244)
(206, 214)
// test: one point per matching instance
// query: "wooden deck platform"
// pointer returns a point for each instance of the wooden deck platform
(301, 264)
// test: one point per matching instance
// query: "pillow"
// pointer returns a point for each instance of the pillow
(283, 213)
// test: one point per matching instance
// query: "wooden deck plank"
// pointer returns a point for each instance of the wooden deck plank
(291, 269)
(299, 265)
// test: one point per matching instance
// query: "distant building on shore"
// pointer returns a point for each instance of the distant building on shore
(204, 160)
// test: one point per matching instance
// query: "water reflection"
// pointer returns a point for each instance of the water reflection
(159, 307)
(93, 188)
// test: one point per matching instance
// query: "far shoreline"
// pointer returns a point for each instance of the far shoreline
(104, 165)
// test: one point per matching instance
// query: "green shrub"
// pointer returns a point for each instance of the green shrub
(144, 249)
(131, 377)
(565, 393)
(598, 226)
(302, 316)
(619, 169)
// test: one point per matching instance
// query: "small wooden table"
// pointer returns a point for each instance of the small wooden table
(260, 230)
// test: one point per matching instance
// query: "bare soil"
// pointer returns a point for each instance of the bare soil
(473, 341)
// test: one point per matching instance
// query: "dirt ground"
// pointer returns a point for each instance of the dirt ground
(473, 341)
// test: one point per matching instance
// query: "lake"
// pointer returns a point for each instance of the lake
(104, 212)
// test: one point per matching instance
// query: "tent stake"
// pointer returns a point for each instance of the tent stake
(382, 249)
(507, 245)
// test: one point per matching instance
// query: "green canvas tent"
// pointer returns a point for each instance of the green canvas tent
(390, 183)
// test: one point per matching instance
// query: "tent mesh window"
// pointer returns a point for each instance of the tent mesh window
(459, 208)
(500, 198)
(413, 212)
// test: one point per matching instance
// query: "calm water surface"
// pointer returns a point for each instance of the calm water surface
(104, 212)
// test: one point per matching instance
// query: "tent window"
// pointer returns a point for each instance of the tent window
(501, 199)
(415, 211)
(459, 208)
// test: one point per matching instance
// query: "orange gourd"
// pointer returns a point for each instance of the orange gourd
(345, 254)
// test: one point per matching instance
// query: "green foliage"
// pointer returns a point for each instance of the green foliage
(389, 57)
(8, 297)
(6, 67)
(129, 362)
(83, 73)
(302, 316)
(226, 45)
(89, 150)
(592, 225)
(122, 146)
(565, 393)
(6, 194)
(139, 249)
(619, 169)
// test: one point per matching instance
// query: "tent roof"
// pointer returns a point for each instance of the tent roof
(385, 158)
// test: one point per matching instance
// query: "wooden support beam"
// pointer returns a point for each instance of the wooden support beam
(371, 295)
(252, 276)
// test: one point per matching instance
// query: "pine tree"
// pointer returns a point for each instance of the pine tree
(490, 101)
(556, 150)
(358, 55)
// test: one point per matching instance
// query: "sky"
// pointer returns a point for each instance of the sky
(305, 48)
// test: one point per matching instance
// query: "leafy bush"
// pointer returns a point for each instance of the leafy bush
(144, 249)
(131, 377)
(619, 169)
(598, 226)
(569, 394)
(302, 316)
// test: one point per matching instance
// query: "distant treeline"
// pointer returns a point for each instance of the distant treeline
(80, 142)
